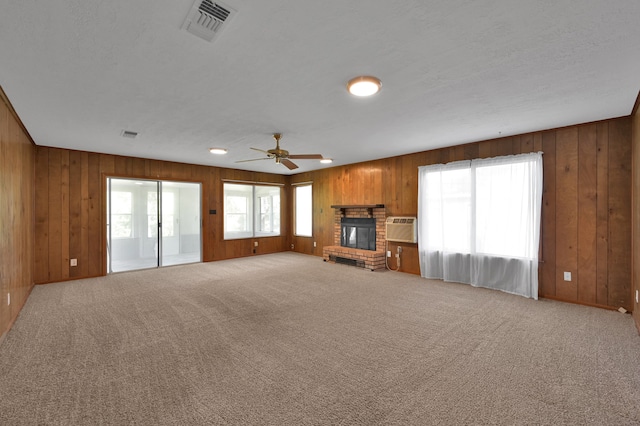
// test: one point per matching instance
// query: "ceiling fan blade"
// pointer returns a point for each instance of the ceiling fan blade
(254, 159)
(262, 150)
(306, 156)
(289, 164)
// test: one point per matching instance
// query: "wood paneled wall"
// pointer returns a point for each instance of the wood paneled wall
(586, 216)
(635, 137)
(16, 214)
(70, 209)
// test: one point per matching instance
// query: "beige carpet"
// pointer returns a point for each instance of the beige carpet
(286, 339)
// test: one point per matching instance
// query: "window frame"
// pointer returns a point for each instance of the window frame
(295, 208)
(253, 214)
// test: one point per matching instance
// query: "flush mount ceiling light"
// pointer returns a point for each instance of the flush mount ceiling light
(326, 160)
(364, 86)
(218, 151)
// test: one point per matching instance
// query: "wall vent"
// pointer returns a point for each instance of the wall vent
(128, 134)
(206, 18)
(402, 229)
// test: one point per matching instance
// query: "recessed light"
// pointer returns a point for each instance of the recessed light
(364, 86)
(218, 151)
(326, 160)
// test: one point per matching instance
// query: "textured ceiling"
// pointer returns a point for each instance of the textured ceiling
(78, 72)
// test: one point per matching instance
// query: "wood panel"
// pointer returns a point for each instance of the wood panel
(41, 207)
(619, 262)
(602, 214)
(17, 168)
(587, 212)
(93, 216)
(567, 212)
(547, 271)
(635, 218)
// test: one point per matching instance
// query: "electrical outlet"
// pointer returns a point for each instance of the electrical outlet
(399, 249)
(73, 262)
(291, 246)
(255, 244)
(9, 298)
(388, 253)
(314, 244)
(567, 276)
(637, 296)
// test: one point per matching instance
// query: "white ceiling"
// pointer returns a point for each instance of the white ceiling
(78, 72)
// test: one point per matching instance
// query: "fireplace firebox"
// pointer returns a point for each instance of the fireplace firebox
(358, 233)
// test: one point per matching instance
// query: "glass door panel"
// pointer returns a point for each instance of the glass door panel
(181, 224)
(130, 245)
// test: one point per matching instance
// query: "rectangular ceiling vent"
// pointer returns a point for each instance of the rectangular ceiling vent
(129, 134)
(206, 18)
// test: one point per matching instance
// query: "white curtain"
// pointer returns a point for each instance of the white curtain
(479, 222)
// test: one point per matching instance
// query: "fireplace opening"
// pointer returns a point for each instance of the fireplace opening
(358, 233)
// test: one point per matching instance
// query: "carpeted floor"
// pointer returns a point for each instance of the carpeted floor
(286, 339)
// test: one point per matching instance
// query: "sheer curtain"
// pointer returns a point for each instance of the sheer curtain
(479, 222)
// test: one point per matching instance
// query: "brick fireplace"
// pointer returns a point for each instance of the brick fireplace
(369, 259)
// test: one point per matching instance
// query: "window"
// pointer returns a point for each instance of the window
(121, 214)
(479, 222)
(242, 220)
(304, 210)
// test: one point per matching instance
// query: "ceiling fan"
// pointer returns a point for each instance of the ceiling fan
(282, 156)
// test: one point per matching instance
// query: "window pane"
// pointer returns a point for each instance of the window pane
(267, 199)
(121, 210)
(121, 202)
(152, 214)
(501, 207)
(121, 226)
(449, 205)
(304, 211)
(168, 213)
(238, 220)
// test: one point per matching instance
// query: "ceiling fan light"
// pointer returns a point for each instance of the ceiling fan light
(364, 86)
(326, 160)
(218, 151)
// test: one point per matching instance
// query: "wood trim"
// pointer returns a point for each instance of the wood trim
(5, 99)
(593, 305)
(636, 106)
(250, 182)
(15, 317)
(358, 206)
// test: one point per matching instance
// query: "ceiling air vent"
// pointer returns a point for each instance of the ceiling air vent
(206, 18)
(128, 134)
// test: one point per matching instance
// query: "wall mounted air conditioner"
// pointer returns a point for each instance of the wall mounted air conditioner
(402, 229)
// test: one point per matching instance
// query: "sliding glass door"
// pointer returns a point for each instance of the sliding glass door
(152, 224)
